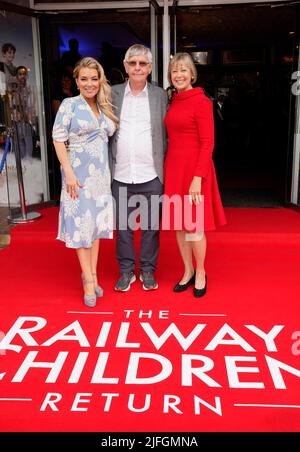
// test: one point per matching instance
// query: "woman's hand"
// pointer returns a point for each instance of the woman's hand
(195, 190)
(72, 184)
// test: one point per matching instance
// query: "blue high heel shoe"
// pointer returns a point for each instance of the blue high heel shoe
(98, 289)
(89, 300)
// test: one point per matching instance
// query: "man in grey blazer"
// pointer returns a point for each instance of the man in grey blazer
(137, 154)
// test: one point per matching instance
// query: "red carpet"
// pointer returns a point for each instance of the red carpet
(154, 361)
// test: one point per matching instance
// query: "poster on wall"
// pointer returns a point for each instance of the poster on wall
(19, 111)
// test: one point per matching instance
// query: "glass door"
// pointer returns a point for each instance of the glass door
(23, 180)
(248, 77)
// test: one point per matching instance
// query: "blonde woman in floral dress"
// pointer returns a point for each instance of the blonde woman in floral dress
(80, 136)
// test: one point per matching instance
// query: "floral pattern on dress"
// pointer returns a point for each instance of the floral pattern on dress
(85, 228)
(90, 216)
(70, 205)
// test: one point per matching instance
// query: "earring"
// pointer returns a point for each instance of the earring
(192, 78)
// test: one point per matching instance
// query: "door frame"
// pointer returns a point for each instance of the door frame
(295, 197)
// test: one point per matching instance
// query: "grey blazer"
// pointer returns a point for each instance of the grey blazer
(158, 103)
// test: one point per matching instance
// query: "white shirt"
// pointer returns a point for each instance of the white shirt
(134, 162)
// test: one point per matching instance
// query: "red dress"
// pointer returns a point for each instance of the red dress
(190, 127)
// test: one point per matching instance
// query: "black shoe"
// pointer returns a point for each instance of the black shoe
(183, 287)
(200, 292)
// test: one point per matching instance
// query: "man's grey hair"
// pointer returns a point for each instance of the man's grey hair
(138, 49)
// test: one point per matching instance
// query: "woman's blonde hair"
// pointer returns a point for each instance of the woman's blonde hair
(104, 93)
(182, 57)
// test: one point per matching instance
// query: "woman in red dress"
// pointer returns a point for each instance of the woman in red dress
(190, 171)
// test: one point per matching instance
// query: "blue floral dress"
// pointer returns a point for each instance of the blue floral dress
(90, 216)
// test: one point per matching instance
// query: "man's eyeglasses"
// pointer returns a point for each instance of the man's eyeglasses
(135, 63)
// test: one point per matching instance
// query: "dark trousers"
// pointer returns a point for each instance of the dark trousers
(128, 197)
